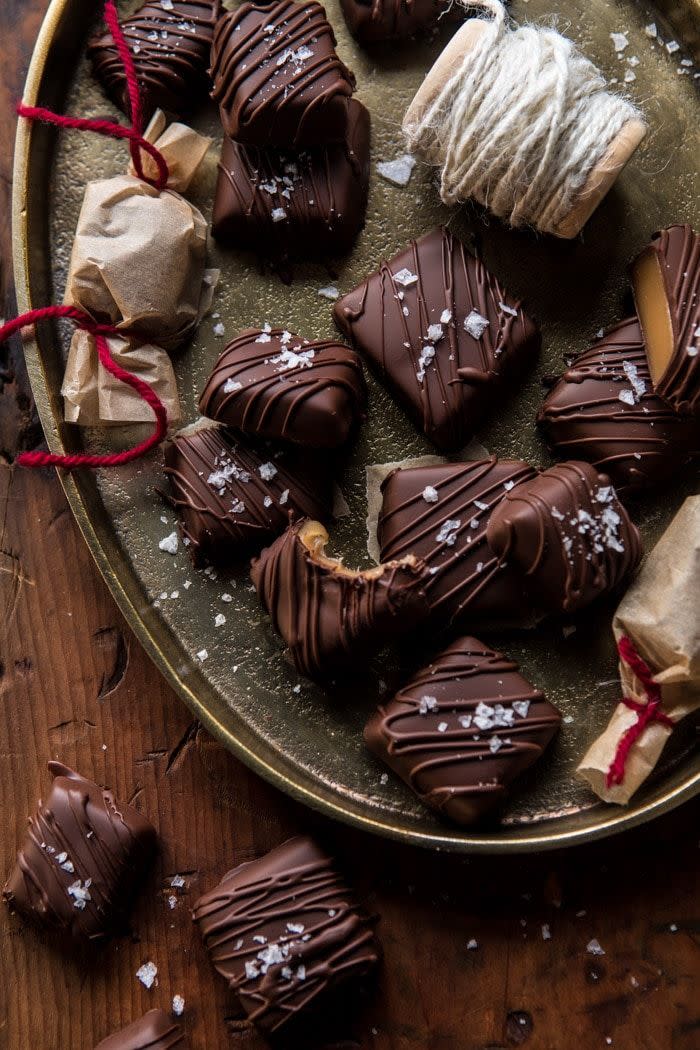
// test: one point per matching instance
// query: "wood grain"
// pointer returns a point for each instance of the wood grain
(74, 684)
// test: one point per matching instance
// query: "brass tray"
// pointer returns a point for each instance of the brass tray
(306, 743)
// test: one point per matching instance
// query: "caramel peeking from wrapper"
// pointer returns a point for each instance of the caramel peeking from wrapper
(654, 313)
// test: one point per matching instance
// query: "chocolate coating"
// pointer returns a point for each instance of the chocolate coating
(466, 583)
(277, 78)
(462, 729)
(678, 251)
(371, 21)
(81, 859)
(277, 385)
(232, 496)
(170, 51)
(305, 205)
(283, 930)
(447, 379)
(568, 535)
(329, 616)
(637, 439)
(153, 1031)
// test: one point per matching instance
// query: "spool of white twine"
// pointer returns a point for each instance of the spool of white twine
(519, 120)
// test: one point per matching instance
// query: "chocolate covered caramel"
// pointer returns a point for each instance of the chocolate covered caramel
(277, 78)
(81, 860)
(371, 21)
(274, 384)
(284, 930)
(169, 45)
(443, 334)
(604, 409)
(666, 285)
(154, 1031)
(330, 616)
(567, 535)
(462, 729)
(232, 495)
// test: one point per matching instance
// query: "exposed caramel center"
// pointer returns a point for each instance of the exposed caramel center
(654, 313)
(314, 537)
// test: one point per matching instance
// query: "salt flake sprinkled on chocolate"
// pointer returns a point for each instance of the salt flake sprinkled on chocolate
(278, 215)
(178, 1005)
(267, 471)
(399, 170)
(593, 947)
(475, 324)
(426, 356)
(296, 927)
(637, 384)
(627, 396)
(172, 901)
(251, 970)
(442, 727)
(508, 310)
(147, 974)
(472, 944)
(80, 892)
(495, 744)
(445, 317)
(291, 359)
(231, 384)
(546, 932)
(169, 543)
(427, 703)
(448, 531)
(284, 497)
(435, 332)
(167, 5)
(465, 721)
(405, 278)
(430, 494)
(521, 707)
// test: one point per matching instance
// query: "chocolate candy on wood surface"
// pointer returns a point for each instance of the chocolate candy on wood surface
(462, 729)
(277, 78)
(604, 409)
(307, 204)
(82, 857)
(169, 45)
(331, 616)
(284, 930)
(233, 496)
(154, 1031)
(276, 385)
(443, 333)
(666, 285)
(567, 534)
(440, 514)
(371, 21)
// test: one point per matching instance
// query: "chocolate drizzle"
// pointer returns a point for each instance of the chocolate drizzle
(309, 204)
(441, 514)
(283, 930)
(153, 1031)
(276, 385)
(371, 21)
(626, 431)
(409, 319)
(568, 535)
(170, 50)
(277, 78)
(232, 497)
(328, 615)
(462, 729)
(678, 252)
(81, 858)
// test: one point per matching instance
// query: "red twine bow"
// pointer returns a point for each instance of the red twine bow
(646, 713)
(137, 143)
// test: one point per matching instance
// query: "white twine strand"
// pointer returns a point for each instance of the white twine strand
(521, 124)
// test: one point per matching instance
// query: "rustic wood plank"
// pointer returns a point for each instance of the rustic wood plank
(75, 684)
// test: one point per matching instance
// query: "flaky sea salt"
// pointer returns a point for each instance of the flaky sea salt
(278, 214)
(399, 170)
(430, 494)
(218, 329)
(651, 31)
(445, 317)
(593, 947)
(546, 932)
(475, 324)
(147, 974)
(169, 543)
(508, 310)
(405, 278)
(219, 620)
(329, 292)
(619, 41)
(448, 531)
(627, 396)
(435, 332)
(427, 703)
(178, 1005)
(202, 655)
(472, 944)
(230, 385)
(442, 727)
(267, 471)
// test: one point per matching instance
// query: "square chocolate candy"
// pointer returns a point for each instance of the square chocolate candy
(443, 334)
(306, 204)
(283, 930)
(277, 78)
(462, 729)
(371, 21)
(81, 860)
(153, 1031)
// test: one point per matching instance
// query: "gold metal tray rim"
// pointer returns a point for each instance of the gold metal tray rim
(608, 821)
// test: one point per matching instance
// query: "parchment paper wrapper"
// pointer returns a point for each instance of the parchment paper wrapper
(139, 263)
(92, 396)
(661, 615)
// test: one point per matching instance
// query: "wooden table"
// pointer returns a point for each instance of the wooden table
(74, 683)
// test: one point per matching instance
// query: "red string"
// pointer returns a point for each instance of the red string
(137, 142)
(99, 331)
(646, 713)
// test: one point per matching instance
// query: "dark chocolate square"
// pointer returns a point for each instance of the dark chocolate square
(232, 496)
(283, 930)
(440, 514)
(409, 319)
(304, 205)
(277, 78)
(276, 385)
(81, 860)
(462, 729)
(153, 1031)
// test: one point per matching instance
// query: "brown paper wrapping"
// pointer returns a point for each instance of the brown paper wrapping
(92, 396)
(139, 263)
(661, 615)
